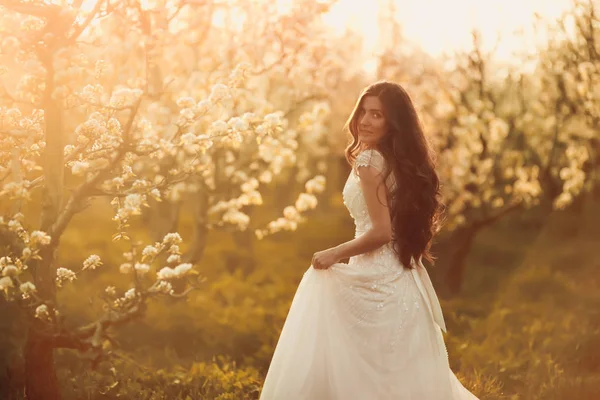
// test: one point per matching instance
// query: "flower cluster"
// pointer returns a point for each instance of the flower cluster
(64, 275)
(292, 215)
(92, 262)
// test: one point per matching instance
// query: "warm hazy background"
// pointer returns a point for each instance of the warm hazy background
(124, 121)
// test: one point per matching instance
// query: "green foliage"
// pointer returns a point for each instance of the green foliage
(219, 379)
(525, 328)
(539, 336)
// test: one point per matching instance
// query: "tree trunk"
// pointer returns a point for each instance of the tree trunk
(196, 251)
(243, 256)
(12, 368)
(40, 381)
(40, 376)
(463, 240)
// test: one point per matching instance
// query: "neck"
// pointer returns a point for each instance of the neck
(365, 146)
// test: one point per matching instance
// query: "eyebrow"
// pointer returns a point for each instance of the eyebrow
(371, 109)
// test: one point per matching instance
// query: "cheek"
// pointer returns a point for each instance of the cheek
(381, 127)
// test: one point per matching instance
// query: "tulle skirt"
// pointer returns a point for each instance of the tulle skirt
(362, 331)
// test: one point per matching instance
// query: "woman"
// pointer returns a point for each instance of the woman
(371, 329)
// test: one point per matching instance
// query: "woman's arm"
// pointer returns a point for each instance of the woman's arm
(374, 190)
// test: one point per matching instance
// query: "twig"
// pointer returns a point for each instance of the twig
(82, 191)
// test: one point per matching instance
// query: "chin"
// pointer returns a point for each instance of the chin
(369, 141)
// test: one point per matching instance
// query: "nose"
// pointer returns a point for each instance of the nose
(365, 121)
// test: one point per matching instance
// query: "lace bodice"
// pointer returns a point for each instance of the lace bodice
(381, 268)
(354, 200)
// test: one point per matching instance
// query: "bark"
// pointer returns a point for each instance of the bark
(196, 251)
(40, 375)
(41, 382)
(243, 257)
(462, 241)
(12, 368)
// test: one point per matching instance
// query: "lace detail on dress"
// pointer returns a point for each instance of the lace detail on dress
(370, 158)
(354, 199)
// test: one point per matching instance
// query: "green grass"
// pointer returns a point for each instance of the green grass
(526, 326)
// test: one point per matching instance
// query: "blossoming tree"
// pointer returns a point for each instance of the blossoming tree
(507, 139)
(134, 103)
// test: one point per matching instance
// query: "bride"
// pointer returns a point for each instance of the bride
(372, 329)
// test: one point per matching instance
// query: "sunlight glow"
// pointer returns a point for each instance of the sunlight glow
(441, 26)
(437, 26)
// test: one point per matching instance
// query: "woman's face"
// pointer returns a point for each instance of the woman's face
(371, 122)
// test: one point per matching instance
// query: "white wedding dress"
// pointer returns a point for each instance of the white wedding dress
(367, 330)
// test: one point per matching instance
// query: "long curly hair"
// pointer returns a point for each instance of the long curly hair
(416, 208)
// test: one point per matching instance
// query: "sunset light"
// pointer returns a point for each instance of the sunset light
(299, 199)
(441, 26)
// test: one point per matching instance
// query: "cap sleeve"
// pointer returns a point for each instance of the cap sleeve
(370, 158)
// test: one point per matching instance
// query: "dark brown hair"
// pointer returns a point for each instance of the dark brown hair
(415, 202)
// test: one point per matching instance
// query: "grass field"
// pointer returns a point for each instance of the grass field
(526, 325)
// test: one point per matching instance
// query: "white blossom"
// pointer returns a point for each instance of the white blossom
(172, 238)
(186, 102)
(164, 287)
(41, 312)
(111, 291)
(183, 269)
(27, 289)
(5, 283)
(219, 127)
(249, 186)
(273, 119)
(238, 124)
(149, 252)
(155, 194)
(236, 217)
(133, 203)
(255, 198)
(142, 269)
(10, 270)
(266, 176)
(64, 274)
(291, 213)
(39, 237)
(166, 273)
(92, 262)
(125, 268)
(187, 113)
(305, 202)
(173, 258)
(203, 106)
(218, 93)
(315, 185)
(130, 294)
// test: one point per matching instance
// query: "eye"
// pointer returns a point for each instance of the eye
(377, 114)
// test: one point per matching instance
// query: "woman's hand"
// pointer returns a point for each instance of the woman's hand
(325, 259)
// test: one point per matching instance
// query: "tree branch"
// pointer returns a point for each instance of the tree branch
(83, 190)
(81, 27)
